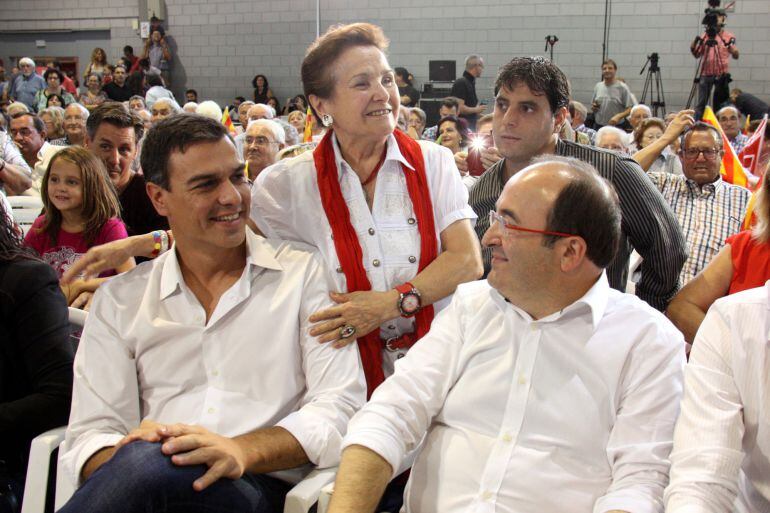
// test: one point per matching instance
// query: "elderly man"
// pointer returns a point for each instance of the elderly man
(257, 111)
(26, 84)
(195, 409)
(163, 108)
(118, 90)
(464, 89)
(14, 170)
(29, 134)
(612, 99)
(708, 209)
(531, 106)
(638, 112)
(75, 117)
(578, 112)
(730, 120)
(538, 388)
(719, 462)
(612, 138)
(112, 134)
(264, 139)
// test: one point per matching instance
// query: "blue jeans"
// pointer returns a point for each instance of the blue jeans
(139, 478)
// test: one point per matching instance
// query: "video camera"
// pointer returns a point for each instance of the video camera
(711, 19)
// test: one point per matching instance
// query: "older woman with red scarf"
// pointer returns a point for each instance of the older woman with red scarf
(388, 214)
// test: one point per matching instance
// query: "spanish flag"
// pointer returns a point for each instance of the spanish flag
(308, 135)
(227, 121)
(732, 171)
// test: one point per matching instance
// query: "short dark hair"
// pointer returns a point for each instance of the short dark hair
(539, 74)
(52, 71)
(175, 133)
(193, 91)
(116, 114)
(450, 102)
(611, 63)
(242, 99)
(36, 121)
(460, 125)
(699, 126)
(587, 207)
(154, 80)
(128, 49)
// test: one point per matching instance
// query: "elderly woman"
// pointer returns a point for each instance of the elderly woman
(388, 214)
(53, 117)
(94, 96)
(743, 263)
(53, 80)
(647, 132)
(453, 134)
(416, 123)
(164, 107)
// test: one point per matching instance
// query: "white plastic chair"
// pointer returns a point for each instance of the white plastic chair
(25, 210)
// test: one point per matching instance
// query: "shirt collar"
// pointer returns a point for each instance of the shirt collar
(595, 300)
(706, 188)
(469, 76)
(392, 152)
(43, 149)
(259, 255)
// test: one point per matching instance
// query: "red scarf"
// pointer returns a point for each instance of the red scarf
(349, 248)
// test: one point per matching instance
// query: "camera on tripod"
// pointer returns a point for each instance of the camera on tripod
(711, 20)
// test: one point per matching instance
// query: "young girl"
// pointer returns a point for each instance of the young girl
(81, 211)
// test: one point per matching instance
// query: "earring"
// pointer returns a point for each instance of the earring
(327, 120)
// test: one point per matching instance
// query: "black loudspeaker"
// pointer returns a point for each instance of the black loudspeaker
(431, 107)
(442, 71)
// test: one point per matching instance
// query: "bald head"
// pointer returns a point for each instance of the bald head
(730, 120)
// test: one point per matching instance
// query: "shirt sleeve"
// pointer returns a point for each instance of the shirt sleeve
(398, 415)
(12, 155)
(271, 203)
(448, 193)
(105, 398)
(707, 453)
(653, 231)
(335, 385)
(35, 240)
(640, 440)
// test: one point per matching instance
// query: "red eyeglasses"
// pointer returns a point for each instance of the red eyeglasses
(494, 217)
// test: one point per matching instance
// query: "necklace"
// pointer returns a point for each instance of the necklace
(373, 175)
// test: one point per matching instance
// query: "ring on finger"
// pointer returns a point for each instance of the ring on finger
(347, 331)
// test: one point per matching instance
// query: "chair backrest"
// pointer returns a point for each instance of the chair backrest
(25, 209)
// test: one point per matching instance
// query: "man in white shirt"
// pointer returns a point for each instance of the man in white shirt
(722, 438)
(199, 366)
(541, 389)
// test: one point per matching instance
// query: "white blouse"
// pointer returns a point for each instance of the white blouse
(286, 204)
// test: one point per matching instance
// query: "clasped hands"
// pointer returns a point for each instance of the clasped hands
(364, 311)
(193, 445)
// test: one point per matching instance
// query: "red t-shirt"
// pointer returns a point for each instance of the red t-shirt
(70, 246)
(751, 262)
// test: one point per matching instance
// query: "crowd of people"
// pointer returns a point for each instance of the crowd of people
(336, 283)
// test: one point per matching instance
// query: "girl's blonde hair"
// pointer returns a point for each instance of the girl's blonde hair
(100, 201)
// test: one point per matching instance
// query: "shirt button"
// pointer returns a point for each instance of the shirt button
(371, 231)
(486, 495)
(212, 410)
(522, 380)
(412, 259)
(507, 437)
(339, 269)
(376, 263)
(215, 373)
(411, 220)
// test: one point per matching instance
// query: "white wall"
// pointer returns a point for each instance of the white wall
(222, 44)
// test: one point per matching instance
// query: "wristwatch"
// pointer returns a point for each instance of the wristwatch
(409, 300)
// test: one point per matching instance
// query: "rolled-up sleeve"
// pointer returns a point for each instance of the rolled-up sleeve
(641, 438)
(336, 388)
(448, 193)
(105, 398)
(396, 418)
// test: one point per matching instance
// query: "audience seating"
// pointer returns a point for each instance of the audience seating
(25, 210)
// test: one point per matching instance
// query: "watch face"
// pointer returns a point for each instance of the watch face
(410, 303)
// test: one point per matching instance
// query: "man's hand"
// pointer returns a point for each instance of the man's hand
(490, 156)
(108, 256)
(148, 430)
(683, 120)
(194, 445)
(614, 120)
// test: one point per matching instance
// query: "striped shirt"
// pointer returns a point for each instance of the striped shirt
(708, 214)
(648, 224)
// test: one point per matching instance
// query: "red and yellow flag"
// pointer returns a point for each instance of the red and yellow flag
(308, 135)
(731, 169)
(227, 121)
(752, 150)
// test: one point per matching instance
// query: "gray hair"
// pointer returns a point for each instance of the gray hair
(210, 109)
(171, 103)
(275, 128)
(472, 60)
(83, 111)
(269, 108)
(640, 106)
(420, 114)
(26, 60)
(612, 130)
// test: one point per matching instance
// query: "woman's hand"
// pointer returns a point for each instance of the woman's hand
(364, 311)
(83, 301)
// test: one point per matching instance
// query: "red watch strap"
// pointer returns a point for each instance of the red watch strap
(405, 287)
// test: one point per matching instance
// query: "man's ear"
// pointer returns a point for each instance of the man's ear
(158, 196)
(87, 142)
(573, 253)
(558, 118)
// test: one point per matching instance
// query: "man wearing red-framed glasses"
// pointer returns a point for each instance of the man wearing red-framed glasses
(539, 387)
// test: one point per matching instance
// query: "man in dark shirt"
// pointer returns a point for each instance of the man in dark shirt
(112, 135)
(748, 104)
(530, 108)
(464, 89)
(118, 90)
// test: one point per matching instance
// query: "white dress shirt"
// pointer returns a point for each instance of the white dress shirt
(148, 352)
(572, 412)
(286, 204)
(722, 438)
